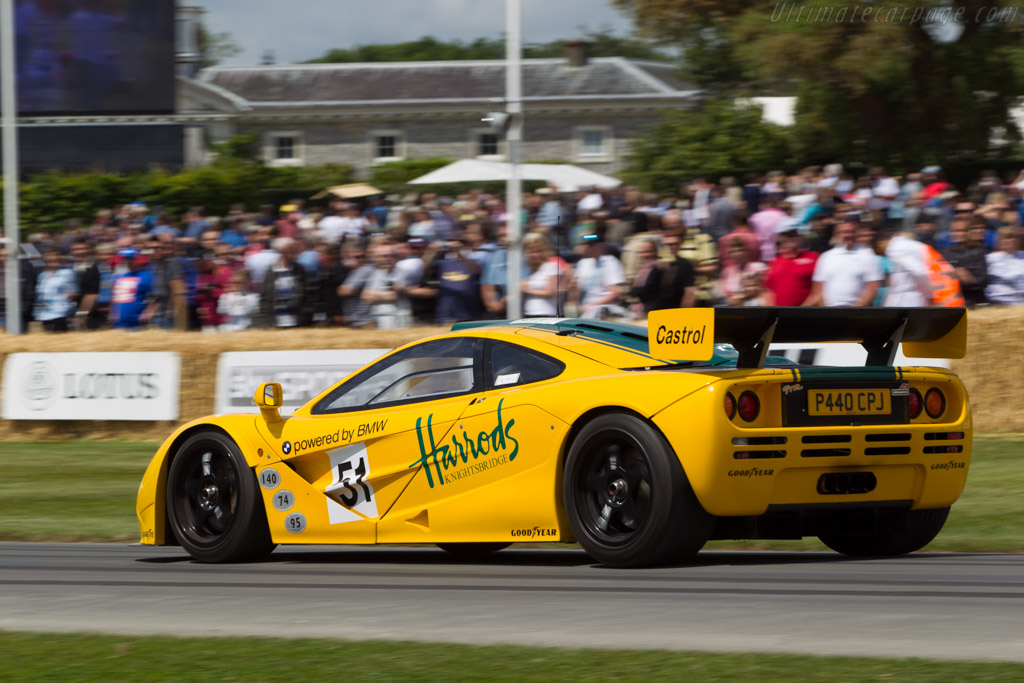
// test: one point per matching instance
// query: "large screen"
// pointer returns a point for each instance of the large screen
(112, 148)
(94, 56)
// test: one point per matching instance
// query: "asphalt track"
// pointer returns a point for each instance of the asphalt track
(943, 606)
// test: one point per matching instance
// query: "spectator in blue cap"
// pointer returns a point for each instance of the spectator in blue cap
(131, 295)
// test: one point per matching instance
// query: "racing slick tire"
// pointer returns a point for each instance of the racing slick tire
(627, 498)
(472, 550)
(903, 533)
(213, 504)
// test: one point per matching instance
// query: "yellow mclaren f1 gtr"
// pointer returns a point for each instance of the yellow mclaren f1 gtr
(641, 444)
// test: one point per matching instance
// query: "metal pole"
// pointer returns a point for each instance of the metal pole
(9, 122)
(513, 189)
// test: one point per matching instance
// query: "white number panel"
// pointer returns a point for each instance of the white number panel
(350, 494)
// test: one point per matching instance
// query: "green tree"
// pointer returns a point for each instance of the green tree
(216, 47)
(48, 200)
(900, 83)
(602, 43)
(243, 147)
(720, 138)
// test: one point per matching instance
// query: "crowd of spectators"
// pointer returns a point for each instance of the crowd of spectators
(817, 237)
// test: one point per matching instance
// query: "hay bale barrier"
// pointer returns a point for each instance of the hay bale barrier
(199, 354)
(993, 370)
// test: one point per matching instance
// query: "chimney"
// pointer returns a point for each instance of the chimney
(576, 52)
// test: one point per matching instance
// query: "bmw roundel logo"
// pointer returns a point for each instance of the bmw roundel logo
(286, 447)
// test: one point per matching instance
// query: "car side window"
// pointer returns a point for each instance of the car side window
(512, 365)
(435, 369)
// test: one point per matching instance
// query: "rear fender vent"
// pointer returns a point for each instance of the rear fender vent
(943, 436)
(943, 449)
(758, 440)
(757, 455)
(886, 437)
(888, 450)
(825, 452)
(827, 438)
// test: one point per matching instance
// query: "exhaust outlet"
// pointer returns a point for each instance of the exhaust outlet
(846, 483)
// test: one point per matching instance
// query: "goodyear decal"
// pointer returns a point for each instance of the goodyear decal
(535, 532)
(443, 461)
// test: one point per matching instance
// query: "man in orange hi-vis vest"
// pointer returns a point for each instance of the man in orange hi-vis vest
(920, 276)
(946, 289)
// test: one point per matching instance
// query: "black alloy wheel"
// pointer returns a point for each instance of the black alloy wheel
(213, 503)
(627, 498)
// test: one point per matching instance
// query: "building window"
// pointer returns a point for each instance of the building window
(284, 148)
(593, 143)
(485, 144)
(488, 145)
(388, 145)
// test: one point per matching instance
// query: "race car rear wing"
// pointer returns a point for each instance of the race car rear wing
(924, 332)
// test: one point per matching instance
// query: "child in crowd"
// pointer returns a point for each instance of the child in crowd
(238, 304)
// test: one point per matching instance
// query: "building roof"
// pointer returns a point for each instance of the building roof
(444, 82)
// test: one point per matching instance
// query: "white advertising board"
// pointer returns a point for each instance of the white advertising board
(842, 353)
(301, 374)
(91, 386)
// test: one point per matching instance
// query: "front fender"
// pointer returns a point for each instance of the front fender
(150, 503)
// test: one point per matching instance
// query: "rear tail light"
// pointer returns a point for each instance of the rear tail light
(730, 406)
(914, 402)
(934, 403)
(749, 406)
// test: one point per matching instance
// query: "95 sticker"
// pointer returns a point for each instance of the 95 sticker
(295, 523)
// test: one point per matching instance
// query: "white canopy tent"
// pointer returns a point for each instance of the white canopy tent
(566, 177)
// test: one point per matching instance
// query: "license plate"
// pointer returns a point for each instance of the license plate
(848, 402)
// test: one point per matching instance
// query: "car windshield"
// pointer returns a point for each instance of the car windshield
(439, 368)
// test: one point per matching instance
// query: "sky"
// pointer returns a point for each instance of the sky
(304, 29)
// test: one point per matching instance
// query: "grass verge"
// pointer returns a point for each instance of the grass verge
(87, 657)
(85, 491)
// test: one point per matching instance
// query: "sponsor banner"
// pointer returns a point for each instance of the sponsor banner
(844, 354)
(91, 386)
(301, 374)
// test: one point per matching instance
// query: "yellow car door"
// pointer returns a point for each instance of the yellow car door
(485, 480)
(351, 455)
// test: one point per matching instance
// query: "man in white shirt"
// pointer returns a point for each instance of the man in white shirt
(589, 201)
(908, 280)
(332, 225)
(598, 281)
(884, 188)
(353, 225)
(259, 262)
(847, 274)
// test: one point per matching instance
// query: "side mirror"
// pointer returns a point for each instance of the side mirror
(269, 398)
